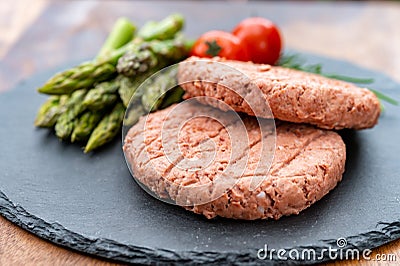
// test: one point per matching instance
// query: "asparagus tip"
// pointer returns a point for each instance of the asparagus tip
(87, 149)
(73, 138)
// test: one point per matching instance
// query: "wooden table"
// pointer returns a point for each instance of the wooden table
(44, 34)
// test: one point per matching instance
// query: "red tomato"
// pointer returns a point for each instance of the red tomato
(261, 38)
(219, 43)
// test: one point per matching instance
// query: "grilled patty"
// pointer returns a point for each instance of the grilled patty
(299, 165)
(292, 95)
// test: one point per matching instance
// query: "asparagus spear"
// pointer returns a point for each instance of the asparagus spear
(134, 63)
(157, 87)
(152, 96)
(66, 121)
(135, 111)
(172, 96)
(101, 69)
(107, 129)
(133, 114)
(50, 111)
(102, 95)
(121, 33)
(163, 30)
(85, 125)
(152, 55)
(128, 87)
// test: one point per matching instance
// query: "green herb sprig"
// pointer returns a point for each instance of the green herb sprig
(295, 61)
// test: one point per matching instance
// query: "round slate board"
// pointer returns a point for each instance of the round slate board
(90, 203)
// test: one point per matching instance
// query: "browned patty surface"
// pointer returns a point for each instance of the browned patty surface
(292, 95)
(307, 163)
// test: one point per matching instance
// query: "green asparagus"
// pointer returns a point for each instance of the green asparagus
(155, 54)
(66, 122)
(50, 111)
(128, 87)
(163, 30)
(157, 87)
(172, 96)
(83, 94)
(151, 95)
(137, 62)
(82, 76)
(107, 129)
(133, 114)
(85, 125)
(101, 69)
(102, 95)
(122, 33)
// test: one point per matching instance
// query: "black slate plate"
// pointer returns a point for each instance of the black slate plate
(90, 203)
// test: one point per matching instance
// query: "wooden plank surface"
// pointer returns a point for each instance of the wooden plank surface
(45, 34)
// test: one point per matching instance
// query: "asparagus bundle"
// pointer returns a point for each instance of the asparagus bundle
(103, 67)
(88, 102)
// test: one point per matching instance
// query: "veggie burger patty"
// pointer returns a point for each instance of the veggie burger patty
(292, 95)
(305, 162)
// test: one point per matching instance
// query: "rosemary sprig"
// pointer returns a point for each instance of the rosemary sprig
(350, 79)
(384, 97)
(295, 61)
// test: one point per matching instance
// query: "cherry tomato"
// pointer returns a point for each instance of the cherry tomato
(261, 38)
(219, 43)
